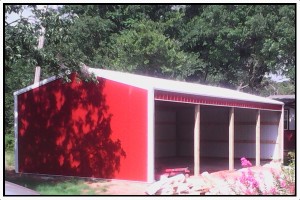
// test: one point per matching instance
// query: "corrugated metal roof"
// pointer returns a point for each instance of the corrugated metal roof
(159, 84)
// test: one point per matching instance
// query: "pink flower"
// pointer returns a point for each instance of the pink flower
(282, 183)
(255, 184)
(243, 178)
(248, 192)
(250, 172)
(273, 190)
(245, 162)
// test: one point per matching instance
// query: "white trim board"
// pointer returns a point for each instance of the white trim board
(206, 104)
(35, 85)
(150, 137)
(16, 150)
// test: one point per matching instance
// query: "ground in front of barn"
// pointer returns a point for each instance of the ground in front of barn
(217, 183)
(61, 185)
(119, 187)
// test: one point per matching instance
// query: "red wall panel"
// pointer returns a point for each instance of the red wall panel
(84, 129)
(289, 139)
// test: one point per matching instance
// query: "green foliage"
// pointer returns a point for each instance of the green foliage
(9, 159)
(292, 157)
(289, 171)
(241, 43)
(9, 142)
(145, 49)
(72, 187)
(269, 87)
(19, 42)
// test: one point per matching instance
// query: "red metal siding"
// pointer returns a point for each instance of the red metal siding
(289, 139)
(196, 99)
(84, 129)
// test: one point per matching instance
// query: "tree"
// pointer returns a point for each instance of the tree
(270, 87)
(145, 49)
(137, 40)
(240, 43)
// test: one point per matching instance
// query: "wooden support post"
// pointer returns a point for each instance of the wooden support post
(231, 139)
(280, 139)
(178, 147)
(257, 133)
(197, 141)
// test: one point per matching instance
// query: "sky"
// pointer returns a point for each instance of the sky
(277, 78)
(14, 16)
(26, 13)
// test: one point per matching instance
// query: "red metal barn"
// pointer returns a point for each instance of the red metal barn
(131, 126)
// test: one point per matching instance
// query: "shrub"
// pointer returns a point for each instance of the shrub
(251, 183)
(289, 172)
(9, 142)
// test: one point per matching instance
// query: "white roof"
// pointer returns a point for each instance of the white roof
(147, 82)
(292, 96)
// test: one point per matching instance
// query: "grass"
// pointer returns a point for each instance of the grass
(48, 186)
(52, 186)
(71, 187)
(9, 160)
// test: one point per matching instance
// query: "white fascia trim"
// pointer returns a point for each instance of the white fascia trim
(16, 133)
(255, 98)
(206, 104)
(35, 85)
(150, 138)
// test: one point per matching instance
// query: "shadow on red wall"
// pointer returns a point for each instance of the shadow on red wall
(64, 129)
